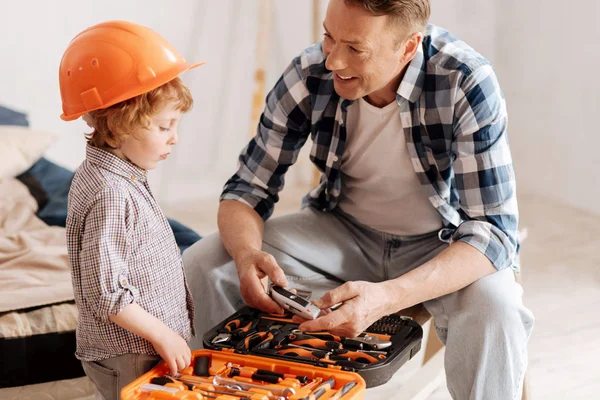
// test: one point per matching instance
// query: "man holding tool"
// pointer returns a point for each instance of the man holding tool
(416, 204)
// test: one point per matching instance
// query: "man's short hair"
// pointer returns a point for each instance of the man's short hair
(114, 122)
(406, 15)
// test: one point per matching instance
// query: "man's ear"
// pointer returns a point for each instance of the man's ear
(410, 46)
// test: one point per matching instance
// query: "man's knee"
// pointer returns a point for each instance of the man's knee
(497, 301)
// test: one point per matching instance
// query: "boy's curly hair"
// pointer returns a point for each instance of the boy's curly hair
(116, 121)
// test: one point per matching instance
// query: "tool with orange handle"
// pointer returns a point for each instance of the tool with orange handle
(251, 340)
(361, 356)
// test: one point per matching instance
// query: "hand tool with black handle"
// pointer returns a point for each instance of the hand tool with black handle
(307, 340)
(251, 340)
(320, 335)
(249, 371)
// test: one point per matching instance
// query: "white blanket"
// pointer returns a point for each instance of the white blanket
(34, 264)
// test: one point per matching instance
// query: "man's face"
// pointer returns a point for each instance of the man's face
(362, 52)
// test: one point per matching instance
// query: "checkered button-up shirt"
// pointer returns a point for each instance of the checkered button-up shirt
(122, 250)
(454, 121)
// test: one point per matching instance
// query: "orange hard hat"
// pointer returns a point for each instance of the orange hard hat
(112, 62)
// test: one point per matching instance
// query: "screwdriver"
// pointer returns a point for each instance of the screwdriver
(321, 389)
(345, 389)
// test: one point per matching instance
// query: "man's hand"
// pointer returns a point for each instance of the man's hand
(172, 349)
(362, 304)
(253, 267)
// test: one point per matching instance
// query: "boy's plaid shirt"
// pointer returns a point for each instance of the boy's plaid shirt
(122, 250)
(454, 119)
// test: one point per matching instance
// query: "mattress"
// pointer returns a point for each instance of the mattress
(32, 341)
(69, 389)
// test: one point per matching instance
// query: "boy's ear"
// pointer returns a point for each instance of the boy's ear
(89, 120)
(112, 140)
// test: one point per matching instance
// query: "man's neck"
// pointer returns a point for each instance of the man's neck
(387, 94)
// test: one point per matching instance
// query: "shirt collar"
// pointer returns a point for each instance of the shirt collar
(114, 164)
(412, 83)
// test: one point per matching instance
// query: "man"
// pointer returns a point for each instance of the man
(416, 203)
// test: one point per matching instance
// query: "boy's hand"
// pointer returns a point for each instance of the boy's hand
(168, 344)
(173, 350)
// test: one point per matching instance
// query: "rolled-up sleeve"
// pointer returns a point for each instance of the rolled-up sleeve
(483, 169)
(282, 131)
(104, 256)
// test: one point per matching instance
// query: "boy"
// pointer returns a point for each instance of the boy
(133, 300)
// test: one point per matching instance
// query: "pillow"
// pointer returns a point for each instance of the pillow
(20, 148)
(12, 117)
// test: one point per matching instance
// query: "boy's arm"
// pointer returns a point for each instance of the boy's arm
(106, 281)
(168, 344)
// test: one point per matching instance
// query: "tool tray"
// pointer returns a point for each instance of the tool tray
(222, 360)
(404, 334)
(254, 359)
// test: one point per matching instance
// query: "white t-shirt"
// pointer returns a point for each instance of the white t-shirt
(380, 188)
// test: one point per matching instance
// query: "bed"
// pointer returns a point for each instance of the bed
(40, 329)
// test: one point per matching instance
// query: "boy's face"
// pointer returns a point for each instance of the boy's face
(147, 147)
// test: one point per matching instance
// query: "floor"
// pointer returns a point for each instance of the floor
(561, 278)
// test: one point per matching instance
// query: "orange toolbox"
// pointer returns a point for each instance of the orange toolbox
(253, 355)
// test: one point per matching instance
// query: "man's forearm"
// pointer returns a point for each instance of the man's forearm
(451, 270)
(240, 226)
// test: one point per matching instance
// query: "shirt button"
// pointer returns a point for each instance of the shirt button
(335, 158)
(133, 177)
(123, 281)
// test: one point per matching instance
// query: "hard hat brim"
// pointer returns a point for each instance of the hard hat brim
(150, 85)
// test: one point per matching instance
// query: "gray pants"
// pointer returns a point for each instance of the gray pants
(484, 326)
(113, 374)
